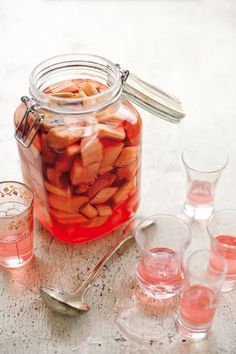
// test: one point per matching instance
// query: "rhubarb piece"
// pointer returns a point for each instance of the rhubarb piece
(111, 153)
(104, 209)
(80, 219)
(63, 163)
(89, 89)
(48, 155)
(91, 150)
(73, 150)
(128, 171)
(61, 137)
(97, 221)
(84, 175)
(89, 211)
(50, 174)
(66, 218)
(63, 94)
(81, 188)
(110, 132)
(104, 195)
(57, 191)
(56, 177)
(110, 118)
(132, 203)
(81, 94)
(106, 169)
(62, 86)
(103, 181)
(133, 131)
(68, 205)
(128, 155)
(123, 192)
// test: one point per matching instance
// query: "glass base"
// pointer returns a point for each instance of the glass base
(229, 285)
(197, 212)
(158, 292)
(192, 333)
(14, 262)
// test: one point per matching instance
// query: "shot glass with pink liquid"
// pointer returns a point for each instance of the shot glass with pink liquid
(204, 164)
(222, 230)
(201, 290)
(16, 224)
(162, 240)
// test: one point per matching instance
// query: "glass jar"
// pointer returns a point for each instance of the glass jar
(79, 142)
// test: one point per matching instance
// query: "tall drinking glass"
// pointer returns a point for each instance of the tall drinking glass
(16, 224)
(202, 285)
(222, 230)
(204, 164)
(162, 240)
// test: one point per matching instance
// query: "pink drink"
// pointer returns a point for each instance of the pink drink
(158, 271)
(16, 235)
(197, 306)
(200, 193)
(226, 247)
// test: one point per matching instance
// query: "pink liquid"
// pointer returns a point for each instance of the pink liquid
(200, 193)
(229, 253)
(16, 249)
(160, 269)
(197, 305)
(16, 237)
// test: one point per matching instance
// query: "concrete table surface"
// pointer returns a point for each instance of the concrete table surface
(186, 46)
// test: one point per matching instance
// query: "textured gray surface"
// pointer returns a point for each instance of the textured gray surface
(186, 46)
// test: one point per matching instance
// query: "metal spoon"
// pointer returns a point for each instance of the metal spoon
(72, 304)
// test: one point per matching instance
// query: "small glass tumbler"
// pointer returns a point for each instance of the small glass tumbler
(162, 240)
(222, 230)
(204, 164)
(202, 285)
(16, 224)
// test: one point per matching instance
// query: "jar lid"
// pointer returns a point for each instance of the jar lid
(151, 98)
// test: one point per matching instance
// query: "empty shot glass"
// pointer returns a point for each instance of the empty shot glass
(162, 240)
(16, 224)
(202, 285)
(222, 231)
(204, 164)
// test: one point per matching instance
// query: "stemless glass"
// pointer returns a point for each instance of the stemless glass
(16, 224)
(202, 284)
(204, 164)
(162, 240)
(222, 230)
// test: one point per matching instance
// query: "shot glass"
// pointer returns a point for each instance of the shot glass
(202, 285)
(204, 164)
(16, 224)
(162, 240)
(222, 231)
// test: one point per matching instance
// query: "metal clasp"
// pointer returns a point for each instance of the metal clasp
(124, 73)
(23, 130)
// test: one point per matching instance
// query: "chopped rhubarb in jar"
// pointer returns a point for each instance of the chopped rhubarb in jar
(85, 176)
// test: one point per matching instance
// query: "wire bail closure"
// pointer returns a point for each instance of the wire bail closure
(23, 130)
(124, 73)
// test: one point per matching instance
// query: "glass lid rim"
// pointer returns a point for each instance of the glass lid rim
(116, 86)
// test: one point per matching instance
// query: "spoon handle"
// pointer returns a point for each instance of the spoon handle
(92, 275)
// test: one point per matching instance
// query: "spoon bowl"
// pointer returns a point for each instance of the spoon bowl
(56, 300)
